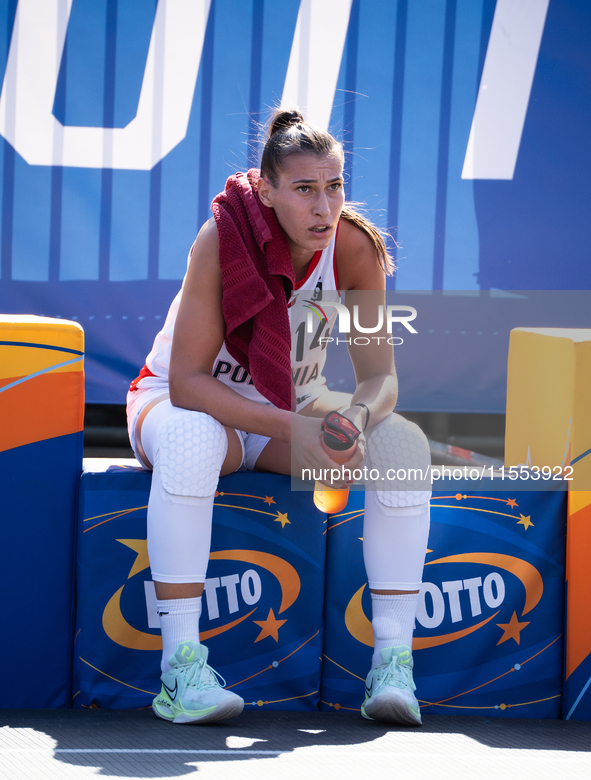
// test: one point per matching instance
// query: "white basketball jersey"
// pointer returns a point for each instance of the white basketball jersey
(311, 324)
(308, 350)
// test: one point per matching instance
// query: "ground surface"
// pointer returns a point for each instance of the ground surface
(117, 744)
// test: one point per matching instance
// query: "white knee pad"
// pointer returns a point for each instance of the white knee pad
(398, 451)
(402, 499)
(192, 448)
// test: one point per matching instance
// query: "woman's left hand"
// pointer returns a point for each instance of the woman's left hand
(308, 453)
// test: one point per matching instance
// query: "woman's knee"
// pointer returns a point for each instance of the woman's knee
(400, 457)
(192, 447)
(398, 443)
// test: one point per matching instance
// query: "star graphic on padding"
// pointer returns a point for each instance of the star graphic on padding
(268, 500)
(282, 518)
(525, 521)
(512, 629)
(512, 502)
(270, 627)
(139, 546)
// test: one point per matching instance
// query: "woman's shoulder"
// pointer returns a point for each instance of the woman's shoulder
(358, 265)
(206, 245)
(204, 255)
(208, 233)
(351, 235)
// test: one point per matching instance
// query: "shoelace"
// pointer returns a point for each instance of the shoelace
(203, 674)
(397, 675)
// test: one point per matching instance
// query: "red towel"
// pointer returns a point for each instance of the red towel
(257, 280)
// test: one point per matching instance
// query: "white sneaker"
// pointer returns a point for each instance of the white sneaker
(191, 691)
(389, 689)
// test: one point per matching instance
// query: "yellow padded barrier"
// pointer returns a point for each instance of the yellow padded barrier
(41, 379)
(548, 409)
(549, 424)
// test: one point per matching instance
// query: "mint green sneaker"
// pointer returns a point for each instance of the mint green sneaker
(191, 690)
(389, 689)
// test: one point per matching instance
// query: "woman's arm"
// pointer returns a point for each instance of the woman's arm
(363, 280)
(198, 337)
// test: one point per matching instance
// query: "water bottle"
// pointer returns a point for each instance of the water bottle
(339, 440)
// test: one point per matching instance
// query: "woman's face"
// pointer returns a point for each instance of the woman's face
(307, 200)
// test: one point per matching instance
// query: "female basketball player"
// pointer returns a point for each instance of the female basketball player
(195, 412)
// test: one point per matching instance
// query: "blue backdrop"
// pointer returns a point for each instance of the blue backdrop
(96, 225)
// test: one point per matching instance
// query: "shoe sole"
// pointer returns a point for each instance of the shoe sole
(391, 711)
(224, 711)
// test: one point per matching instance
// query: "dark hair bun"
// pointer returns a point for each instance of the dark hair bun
(282, 120)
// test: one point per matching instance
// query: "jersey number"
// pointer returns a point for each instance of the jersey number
(301, 339)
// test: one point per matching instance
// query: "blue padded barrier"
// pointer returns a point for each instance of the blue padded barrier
(488, 638)
(262, 612)
(37, 534)
(489, 631)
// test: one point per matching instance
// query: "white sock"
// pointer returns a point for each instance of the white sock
(393, 618)
(179, 622)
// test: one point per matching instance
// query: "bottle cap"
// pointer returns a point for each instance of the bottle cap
(339, 432)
